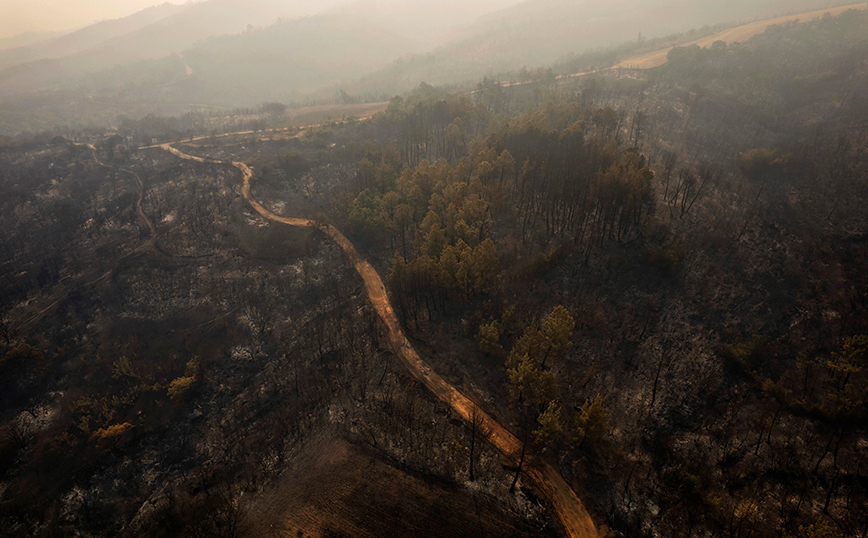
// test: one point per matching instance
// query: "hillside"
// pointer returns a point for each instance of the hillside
(150, 34)
(538, 33)
(146, 69)
(88, 37)
(278, 63)
(653, 284)
(26, 39)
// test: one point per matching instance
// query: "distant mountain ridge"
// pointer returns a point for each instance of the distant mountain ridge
(27, 39)
(149, 34)
(241, 52)
(87, 37)
(98, 33)
(555, 27)
(537, 33)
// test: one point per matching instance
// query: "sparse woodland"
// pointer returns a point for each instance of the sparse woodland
(657, 280)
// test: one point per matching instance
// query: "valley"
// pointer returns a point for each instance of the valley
(619, 292)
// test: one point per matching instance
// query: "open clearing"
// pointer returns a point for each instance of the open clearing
(339, 487)
(317, 114)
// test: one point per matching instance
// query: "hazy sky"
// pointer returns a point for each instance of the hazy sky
(18, 16)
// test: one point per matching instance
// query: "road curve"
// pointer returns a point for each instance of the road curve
(738, 34)
(574, 517)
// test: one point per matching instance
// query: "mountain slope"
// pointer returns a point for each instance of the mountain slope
(27, 39)
(88, 37)
(148, 36)
(536, 33)
(280, 63)
(100, 32)
(276, 62)
(432, 22)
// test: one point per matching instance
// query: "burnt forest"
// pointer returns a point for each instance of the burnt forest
(589, 289)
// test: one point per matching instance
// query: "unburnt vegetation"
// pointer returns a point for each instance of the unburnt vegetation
(694, 231)
(656, 280)
(138, 382)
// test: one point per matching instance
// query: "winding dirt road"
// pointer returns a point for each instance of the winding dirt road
(572, 513)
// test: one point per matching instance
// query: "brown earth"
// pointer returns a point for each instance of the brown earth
(338, 487)
(574, 517)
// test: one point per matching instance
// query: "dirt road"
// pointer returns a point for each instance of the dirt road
(152, 232)
(731, 35)
(149, 244)
(572, 513)
(367, 109)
